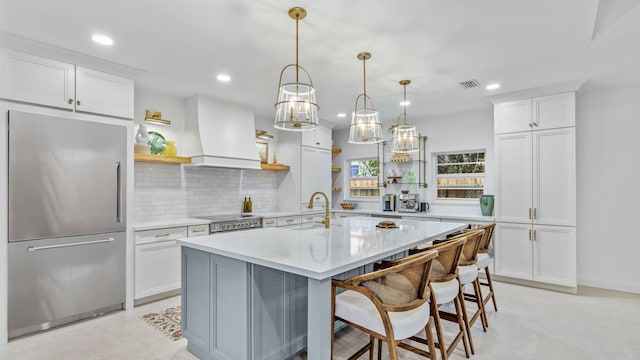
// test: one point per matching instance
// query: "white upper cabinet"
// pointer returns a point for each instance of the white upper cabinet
(319, 138)
(512, 116)
(539, 113)
(37, 80)
(102, 93)
(554, 111)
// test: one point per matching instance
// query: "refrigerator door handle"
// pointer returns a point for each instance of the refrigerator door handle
(119, 218)
(36, 248)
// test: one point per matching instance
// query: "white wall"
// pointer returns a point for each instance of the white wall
(174, 191)
(470, 130)
(608, 124)
(172, 108)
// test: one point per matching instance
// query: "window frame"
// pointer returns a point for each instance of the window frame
(436, 176)
(348, 177)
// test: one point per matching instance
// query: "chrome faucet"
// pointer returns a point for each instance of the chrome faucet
(326, 209)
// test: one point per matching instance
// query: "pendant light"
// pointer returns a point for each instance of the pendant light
(296, 108)
(405, 136)
(366, 127)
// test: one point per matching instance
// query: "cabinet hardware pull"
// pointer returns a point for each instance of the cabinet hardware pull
(535, 235)
(530, 236)
(529, 213)
(535, 213)
(201, 230)
(77, 102)
(70, 101)
(535, 124)
(162, 235)
(36, 248)
(530, 124)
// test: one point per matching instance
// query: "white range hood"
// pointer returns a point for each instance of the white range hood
(220, 134)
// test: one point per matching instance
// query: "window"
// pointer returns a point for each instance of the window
(363, 178)
(459, 175)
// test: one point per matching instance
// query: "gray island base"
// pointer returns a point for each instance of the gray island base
(266, 293)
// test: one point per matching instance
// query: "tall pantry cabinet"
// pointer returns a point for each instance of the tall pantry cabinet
(535, 236)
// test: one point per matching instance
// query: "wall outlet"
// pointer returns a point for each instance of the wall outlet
(159, 210)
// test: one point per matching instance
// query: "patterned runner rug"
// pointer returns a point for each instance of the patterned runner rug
(167, 321)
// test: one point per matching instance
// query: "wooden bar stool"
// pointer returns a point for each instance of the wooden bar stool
(468, 274)
(445, 288)
(389, 304)
(484, 260)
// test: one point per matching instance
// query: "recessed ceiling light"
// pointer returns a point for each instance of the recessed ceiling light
(102, 40)
(223, 78)
(341, 115)
(493, 86)
(403, 103)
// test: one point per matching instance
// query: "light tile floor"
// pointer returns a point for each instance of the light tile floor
(530, 324)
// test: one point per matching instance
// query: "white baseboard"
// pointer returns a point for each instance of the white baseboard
(537, 284)
(610, 285)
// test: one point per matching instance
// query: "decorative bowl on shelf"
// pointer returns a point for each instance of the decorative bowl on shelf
(347, 205)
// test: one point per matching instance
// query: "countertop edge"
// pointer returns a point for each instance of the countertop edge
(192, 243)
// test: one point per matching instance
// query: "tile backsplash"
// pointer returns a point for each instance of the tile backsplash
(170, 191)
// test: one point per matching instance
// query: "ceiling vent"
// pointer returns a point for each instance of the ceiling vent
(470, 84)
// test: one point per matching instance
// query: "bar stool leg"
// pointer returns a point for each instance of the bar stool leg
(459, 312)
(480, 304)
(465, 318)
(493, 294)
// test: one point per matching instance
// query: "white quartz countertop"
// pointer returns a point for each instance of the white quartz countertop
(272, 214)
(168, 223)
(419, 215)
(319, 253)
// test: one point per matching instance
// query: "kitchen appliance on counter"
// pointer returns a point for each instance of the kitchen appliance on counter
(66, 250)
(389, 202)
(408, 202)
(232, 222)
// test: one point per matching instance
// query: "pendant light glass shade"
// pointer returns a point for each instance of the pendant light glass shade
(296, 108)
(405, 136)
(366, 127)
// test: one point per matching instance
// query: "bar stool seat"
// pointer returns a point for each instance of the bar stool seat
(359, 310)
(467, 274)
(483, 260)
(445, 292)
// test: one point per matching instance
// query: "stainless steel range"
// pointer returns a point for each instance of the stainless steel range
(232, 222)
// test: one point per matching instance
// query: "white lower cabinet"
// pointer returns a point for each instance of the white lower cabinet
(288, 221)
(157, 268)
(269, 222)
(157, 260)
(536, 252)
(341, 215)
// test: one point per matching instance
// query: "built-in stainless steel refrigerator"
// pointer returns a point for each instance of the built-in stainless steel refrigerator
(66, 220)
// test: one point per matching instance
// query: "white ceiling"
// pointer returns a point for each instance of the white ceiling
(182, 45)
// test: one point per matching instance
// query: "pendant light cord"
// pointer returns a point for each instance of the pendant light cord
(297, 68)
(404, 113)
(364, 71)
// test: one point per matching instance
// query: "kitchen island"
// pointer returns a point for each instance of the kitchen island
(245, 294)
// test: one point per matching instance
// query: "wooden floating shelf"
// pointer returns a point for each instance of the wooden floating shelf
(336, 169)
(274, 167)
(336, 150)
(161, 159)
(336, 189)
